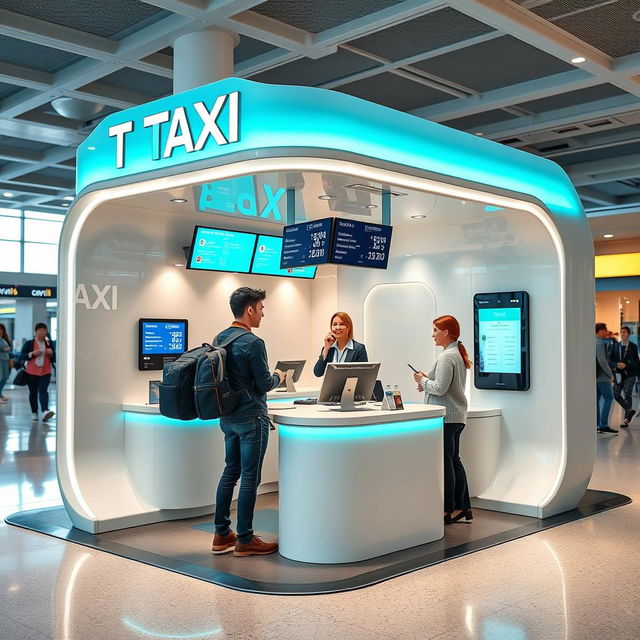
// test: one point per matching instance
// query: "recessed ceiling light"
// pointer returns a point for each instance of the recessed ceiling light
(65, 204)
(179, 200)
(479, 133)
(91, 148)
(370, 206)
(326, 197)
(578, 60)
(178, 264)
(68, 198)
(7, 194)
(408, 255)
(628, 301)
(418, 217)
(608, 235)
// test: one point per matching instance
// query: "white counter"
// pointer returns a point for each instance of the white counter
(359, 484)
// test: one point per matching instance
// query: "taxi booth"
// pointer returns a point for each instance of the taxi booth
(473, 222)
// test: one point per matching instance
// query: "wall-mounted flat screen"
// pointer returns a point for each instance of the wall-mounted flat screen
(306, 243)
(501, 340)
(267, 256)
(160, 341)
(361, 244)
(221, 250)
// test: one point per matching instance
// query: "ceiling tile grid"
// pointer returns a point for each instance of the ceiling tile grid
(472, 76)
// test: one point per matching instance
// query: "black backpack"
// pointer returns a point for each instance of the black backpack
(196, 385)
(213, 395)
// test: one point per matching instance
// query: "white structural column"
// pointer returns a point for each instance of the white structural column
(202, 57)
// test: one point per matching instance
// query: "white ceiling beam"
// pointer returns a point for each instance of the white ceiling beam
(597, 197)
(48, 158)
(40, 133)
(23, 77)
(379, 20)
(58, 184)
(544, 35)
(561, 117)
(109, 95)
(595, 141)
(405, 62)
(265, 62)
(190, 8)
(507, 96)
(608, 170)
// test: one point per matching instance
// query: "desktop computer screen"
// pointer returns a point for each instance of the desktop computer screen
(337, 374)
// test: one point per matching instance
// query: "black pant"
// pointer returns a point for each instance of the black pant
(38, 388)
(456, 491)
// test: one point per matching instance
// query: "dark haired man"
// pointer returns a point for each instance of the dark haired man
(246, 431)
(604, 378)
(626, 367)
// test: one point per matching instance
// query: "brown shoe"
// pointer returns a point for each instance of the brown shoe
(224, 544)
(255, 548)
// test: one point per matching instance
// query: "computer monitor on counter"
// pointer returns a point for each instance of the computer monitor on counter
(348, 383)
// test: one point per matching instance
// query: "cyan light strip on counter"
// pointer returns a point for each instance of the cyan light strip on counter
(362, 432)
(158, 420)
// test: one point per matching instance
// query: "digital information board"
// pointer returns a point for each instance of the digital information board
(306, 243)
(160, 341)
(361, 244)
(501, 340)
(267, 256)
(221, 250)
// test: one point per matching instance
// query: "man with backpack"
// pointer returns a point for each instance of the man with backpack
(246, 430)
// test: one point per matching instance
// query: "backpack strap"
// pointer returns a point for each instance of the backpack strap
(229, 340)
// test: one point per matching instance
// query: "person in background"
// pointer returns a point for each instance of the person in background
(39, 356)
(623, 359)
(444, 385)
(339, 345)
(604, 380)
(246, 430)
(5, 358)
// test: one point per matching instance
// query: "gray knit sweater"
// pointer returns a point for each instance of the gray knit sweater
(444, 384)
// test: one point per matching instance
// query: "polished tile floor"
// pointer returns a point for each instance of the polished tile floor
(580, 580)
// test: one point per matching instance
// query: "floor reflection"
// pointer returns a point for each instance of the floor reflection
(27, 456)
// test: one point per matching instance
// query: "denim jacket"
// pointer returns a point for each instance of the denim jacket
(248, 369)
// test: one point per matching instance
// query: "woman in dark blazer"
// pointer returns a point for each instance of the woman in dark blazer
(339, 345)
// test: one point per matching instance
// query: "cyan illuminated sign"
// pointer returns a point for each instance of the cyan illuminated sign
(237, 118)
(187, 133)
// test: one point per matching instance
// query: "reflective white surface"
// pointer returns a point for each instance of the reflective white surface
(577, 581)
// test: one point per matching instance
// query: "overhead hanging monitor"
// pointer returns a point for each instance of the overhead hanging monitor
(306, 243)
(360, 244)
(267, 257)
(221, 250)
(160, 341)
(501, 340)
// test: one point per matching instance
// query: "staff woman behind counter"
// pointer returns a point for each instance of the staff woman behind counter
(339, 345)
(444, 385)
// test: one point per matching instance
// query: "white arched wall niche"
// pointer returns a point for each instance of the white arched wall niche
(414, 306)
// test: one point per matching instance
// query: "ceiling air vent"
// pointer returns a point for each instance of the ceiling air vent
(566, 130)
(554, 147)
(510, 140)
(369, 189)
(598, 123)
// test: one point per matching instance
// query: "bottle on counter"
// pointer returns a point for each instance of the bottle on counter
(389, 403)
(397, 398)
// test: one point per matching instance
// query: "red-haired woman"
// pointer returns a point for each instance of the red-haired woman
(339, 345)
(444, 385)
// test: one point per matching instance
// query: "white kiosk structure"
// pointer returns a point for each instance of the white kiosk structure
(468, 216)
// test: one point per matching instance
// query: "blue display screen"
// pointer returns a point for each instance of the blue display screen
(220, 250)
(499, 340)
(266, 260)
(306, 243)
(163, 338)
(361, 244)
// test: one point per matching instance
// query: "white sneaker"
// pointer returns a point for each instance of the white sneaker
(34, 416)
(47, 415)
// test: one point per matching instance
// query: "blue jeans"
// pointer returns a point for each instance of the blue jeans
(245, 443)
(604, 392)
(4, 374)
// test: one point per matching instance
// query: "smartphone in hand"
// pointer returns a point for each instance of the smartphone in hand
(412, 368)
